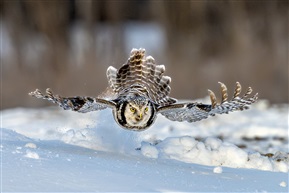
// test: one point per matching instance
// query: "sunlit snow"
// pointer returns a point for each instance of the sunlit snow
(50, 149)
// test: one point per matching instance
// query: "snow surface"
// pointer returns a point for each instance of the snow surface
(51, 149)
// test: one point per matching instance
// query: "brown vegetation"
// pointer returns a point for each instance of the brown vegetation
(204, 42)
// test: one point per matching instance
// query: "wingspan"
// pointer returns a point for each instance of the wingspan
(193, 112)
(80, 104)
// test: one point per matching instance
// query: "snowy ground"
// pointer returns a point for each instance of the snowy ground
(55, 150)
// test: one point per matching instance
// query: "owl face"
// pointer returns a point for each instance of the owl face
(135, 113)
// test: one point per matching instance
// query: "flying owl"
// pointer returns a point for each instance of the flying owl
(138, 91)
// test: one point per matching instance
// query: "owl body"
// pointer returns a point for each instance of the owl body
(138, 91)
(141, 88)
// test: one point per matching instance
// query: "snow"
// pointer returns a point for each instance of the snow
(31, 145)
(50, 149)
(149, 150)
(283, 184)
(31, 154)
(218, 170)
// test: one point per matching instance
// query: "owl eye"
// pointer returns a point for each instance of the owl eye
(146, 109)
(132, 109)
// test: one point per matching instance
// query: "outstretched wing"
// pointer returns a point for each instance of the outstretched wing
(79, 104)
(193, 112)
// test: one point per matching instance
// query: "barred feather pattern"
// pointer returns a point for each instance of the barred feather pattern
(140, 74)
(77, 103)
(193, 112)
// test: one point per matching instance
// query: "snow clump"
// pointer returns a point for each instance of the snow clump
(32, 155)
(211, 152)
(218, 170)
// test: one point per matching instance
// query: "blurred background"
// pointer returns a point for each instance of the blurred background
(68, 45)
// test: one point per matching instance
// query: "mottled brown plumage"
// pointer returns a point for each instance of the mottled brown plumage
(142, 74)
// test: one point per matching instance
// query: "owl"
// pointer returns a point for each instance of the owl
(138, 91)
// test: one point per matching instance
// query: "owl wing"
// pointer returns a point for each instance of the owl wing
(80, 104)
(193, 112)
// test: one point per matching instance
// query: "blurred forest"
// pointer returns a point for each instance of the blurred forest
(67, 45)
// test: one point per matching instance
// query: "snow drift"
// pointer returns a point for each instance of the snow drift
(54, 150)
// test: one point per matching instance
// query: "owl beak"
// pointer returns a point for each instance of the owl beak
(139, 117)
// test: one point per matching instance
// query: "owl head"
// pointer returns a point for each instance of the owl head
(135, 113)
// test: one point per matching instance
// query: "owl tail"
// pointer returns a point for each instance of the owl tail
(141, 71)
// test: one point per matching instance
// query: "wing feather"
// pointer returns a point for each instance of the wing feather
(193, 112)
(80, 104)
